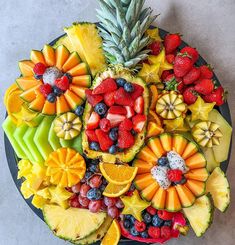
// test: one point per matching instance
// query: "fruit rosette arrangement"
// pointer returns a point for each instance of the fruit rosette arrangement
(118, 133)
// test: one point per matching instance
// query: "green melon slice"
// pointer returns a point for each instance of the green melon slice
(77, 144)
(53, 139)
(66, 143)
(9, 128)
(210, 158)
(72, 223)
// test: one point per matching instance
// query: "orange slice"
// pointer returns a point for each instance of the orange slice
(113, 234)
(113, 190)
(118, 174)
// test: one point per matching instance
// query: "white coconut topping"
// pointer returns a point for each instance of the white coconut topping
(51, 74)
(176, 161)
(159, 173)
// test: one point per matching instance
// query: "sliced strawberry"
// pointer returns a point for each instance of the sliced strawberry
(121, 97)
(125, 139)
(139, 105)
(104, 140)
(107, 85)
(117, 110)
(109, 98)
(130, 111)
(93, 121)
(126, 125)
(139, 122)
(115, 119)
(138, 91)
(91, 135)
(105, 124)
(93, 99)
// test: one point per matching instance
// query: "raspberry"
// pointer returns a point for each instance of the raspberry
(151, 210)
(164, 215)
(154, 232)
(174, 175)
(140, 226)
(62, 83)
(39, 69)
(126, 124)
(165, 232)
(105, 125)
(45, 89)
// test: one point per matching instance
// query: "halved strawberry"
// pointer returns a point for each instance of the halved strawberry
(130, 111)
(121, 97)
(104, 140)
(139, 105)
(109, 98)
(107, 85)
(139, 122)
(93, 121)
(115, 119)
(126, 125)
(138, 91)
(93, 99)
(91, 135)
(117, 110)
(125, 139)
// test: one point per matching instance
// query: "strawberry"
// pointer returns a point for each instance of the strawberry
(104, 140)
(105, 124)
(130, 111)
(116, 109)
(191, 52)
(45, 89)
(93, 99)
(115, 119)
(170, 58)
(206, 72)
(125, 139)
(107, 85)
(138, 122)
(192, 76)
(109, 98)
(126, 124)
(155, 48)
(39, 69)
(183, 64)
(173, 83)
(190, 95)
(218, 96)
(139, 105)
(93, 121)
(62, 83)
(172, 42)
(165, 74)
(204, 86)
(138, 91)
(91, 135)
(121, 97)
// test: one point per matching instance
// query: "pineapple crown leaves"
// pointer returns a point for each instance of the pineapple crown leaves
(122, 26)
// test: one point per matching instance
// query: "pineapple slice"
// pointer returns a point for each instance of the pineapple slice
(200, 215)
(217, 185)
(86, 41)
(73, 223)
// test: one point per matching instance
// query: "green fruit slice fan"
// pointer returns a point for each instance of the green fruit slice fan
(74, 63)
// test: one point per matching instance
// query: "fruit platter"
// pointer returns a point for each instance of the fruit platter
(119, 131)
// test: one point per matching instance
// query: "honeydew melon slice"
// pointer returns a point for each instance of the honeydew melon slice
(77, 144)
(53, 139)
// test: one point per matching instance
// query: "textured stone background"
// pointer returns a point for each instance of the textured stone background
(28, 24)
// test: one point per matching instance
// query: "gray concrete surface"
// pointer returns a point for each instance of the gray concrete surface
(208, 25)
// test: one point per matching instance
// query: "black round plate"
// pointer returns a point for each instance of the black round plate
(13, 160)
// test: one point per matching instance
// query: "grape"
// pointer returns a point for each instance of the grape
(94, 206)
(73, 202)
(119, 204)
(83, 201)
(113, 212)
(110, 201)
(84, 189)
(95, 181)
(76, 188)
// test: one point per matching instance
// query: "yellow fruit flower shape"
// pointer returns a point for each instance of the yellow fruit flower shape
(65, 167)
(200, 110)
(59, 196)
(177, 124)
(25, 168)
(154, 34)
(134, 205)
(150, 73)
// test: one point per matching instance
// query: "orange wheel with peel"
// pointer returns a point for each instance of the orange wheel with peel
(65, 167)
(176, 196)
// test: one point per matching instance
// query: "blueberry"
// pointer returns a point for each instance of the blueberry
(157, 222)
(51, 97)
(132, 187)
(101, 109)
(127, 223)
(57, 91)
(133, 231)
(95, 161)
(113, 134)
(181, 182)
(167, 223)
(88, 174)
(104, 181)
(147, 218)
(162, 161)
(131, 218)
(93, 194)
(133, 132)
(94, 146)
(79, 110)
(128, 87)
(38, 77)
(69, 77)
(113, 149)
(144, 234)
(102, 187)
(121, 82)
(93, 168)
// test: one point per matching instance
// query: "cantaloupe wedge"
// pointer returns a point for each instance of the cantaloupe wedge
(37, 56)
(166, 141)
(79, 91)
(147, 153)
(173, 203)
(26, 68)
(143, 167)
(143, 180)
(155, 145)
(26, 83)
(148, 192)
(79, 70)
(61, 54)
(196, 161)
(197, 187)
(72, 61)
(200, 174)
(179, 143)
(72, 99)
(49, 55)
(186, 197)
(189, 150)
(159, 199)
(82, 81)
(62, 105)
